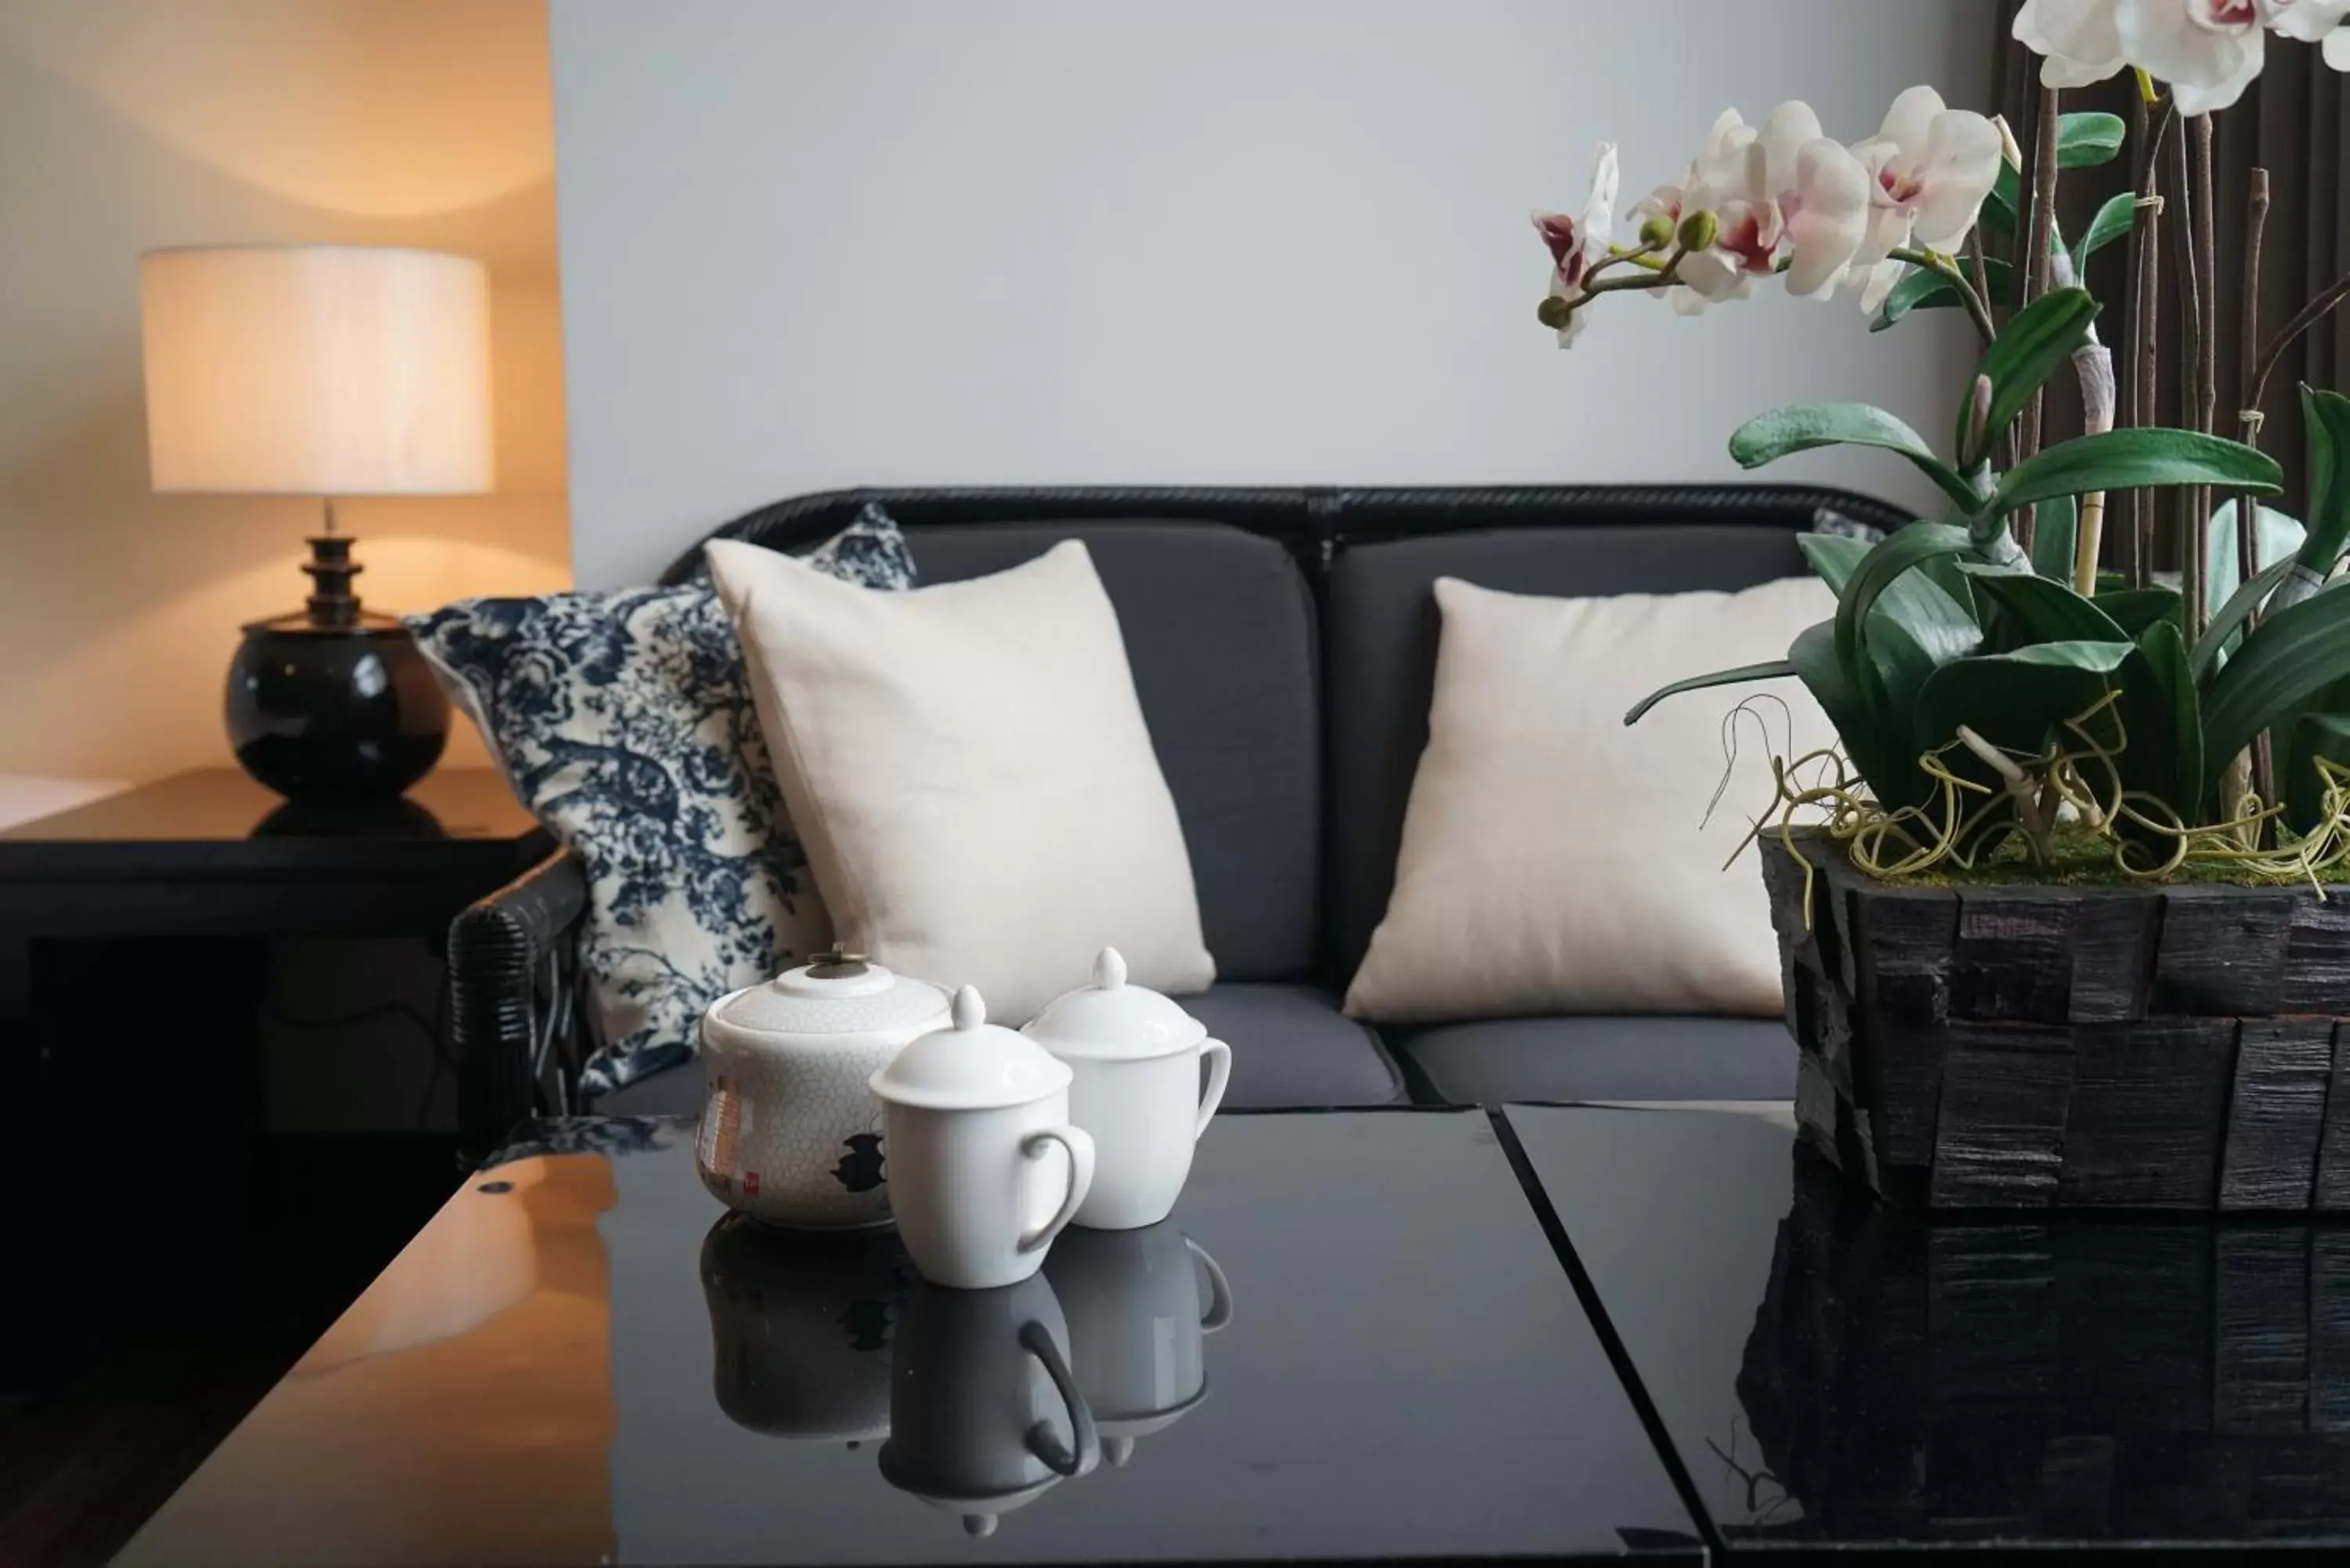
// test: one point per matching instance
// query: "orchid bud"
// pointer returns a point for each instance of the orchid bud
(1657, 232)
(1553, 311)
(2009, 148)
(1979, 418)
(1699, 230)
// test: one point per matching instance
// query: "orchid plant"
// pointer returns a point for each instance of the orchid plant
(1987, 680)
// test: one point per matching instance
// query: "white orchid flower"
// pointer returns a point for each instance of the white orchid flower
(1931, 170)
(1782, 183)
(1826, 214)
(2307, 20)
(2314, 21)
(1576, 242)
(2079, 39)
(2207, 50)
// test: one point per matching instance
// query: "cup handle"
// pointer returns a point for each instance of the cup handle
(1220, 1077)
(1042, 1442)
(1080, 1144)
(1220, 1289)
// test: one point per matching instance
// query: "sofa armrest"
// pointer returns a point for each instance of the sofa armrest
(514, 980)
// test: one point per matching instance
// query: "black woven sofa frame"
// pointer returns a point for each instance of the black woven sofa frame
(516, 991)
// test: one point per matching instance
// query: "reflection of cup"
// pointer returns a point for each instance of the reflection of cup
(800, 1328)
(1135, 1326)
(983, 1413)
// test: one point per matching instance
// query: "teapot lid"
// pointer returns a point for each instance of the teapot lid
(973, 1066)
(1112, 1021)
(835, 992)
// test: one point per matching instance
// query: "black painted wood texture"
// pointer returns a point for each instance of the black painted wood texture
(2165, 1048)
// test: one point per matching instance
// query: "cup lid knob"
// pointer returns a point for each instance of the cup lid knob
(1110, 969)
(970, 1009)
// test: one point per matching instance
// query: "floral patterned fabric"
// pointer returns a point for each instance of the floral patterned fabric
(623, 719)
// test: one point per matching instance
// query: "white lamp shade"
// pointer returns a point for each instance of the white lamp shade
(317, 370)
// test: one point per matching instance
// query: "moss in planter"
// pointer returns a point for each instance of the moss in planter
(2083, 859)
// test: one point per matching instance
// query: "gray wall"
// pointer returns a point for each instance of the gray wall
(811, 243)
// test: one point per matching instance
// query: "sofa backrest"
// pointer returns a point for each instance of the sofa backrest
(1283, 646)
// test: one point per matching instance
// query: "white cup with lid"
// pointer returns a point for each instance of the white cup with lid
(984, 1167)
(1134, 1058)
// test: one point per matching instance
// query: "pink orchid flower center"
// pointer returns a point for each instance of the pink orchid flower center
(1565, 247)
(1746, 235)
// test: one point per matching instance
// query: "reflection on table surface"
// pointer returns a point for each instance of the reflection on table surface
(1831, 1371)
(472, 1373)
(1352, 1340)
(987, 1398)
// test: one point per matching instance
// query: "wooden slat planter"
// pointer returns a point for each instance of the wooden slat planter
(2162, 1048)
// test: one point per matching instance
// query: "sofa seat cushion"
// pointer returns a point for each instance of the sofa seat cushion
(1643, 1057)
(1291, 1047)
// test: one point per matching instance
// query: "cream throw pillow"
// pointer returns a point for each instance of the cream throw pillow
(1551, 858)
(970, 774)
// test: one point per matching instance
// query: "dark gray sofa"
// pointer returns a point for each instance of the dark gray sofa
(1283, 644)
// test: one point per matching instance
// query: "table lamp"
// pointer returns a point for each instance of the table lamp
(323, 370)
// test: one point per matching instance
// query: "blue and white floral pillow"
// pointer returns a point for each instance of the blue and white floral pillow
(623, 719)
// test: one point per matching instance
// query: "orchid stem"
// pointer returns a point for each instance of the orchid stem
(1944, 267)
(1667, 274)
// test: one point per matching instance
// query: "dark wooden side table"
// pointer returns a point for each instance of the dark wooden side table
(133, 955)
(212, 853)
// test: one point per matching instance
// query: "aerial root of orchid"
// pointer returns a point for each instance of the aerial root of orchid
(1818, 790)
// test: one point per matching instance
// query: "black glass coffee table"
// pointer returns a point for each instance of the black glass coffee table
(1354, 1341)
(1842, 1383)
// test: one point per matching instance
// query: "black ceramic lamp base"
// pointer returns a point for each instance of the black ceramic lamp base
(334, 704)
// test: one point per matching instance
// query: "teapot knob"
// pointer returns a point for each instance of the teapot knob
(1110, 969)
(968, 1011)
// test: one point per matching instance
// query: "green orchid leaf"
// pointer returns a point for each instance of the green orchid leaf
(1834, 557)
(1886, 563)
(2006, 200)
(2322, 733)
(2162, 719)
(2015, 700)
(2115, 461)
(2136, 609)
(2084, 140)
(2045, 610)
(2056, 529)
(1766, 438)
(1770, 670)
(2113, 221)
(2037, 342)
(2325, 416)
(1915, 626)
(1923, 289)
(2278, 534)
(2230, 617)
(1877, 748)
(2291, 657)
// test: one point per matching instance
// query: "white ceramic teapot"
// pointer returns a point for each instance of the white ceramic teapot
(1135, 1060)
(985, 1167)
(790, 1133)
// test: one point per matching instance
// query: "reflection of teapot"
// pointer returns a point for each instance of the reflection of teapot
(979, 1399)
(1134, 1325)
(800, 1328)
